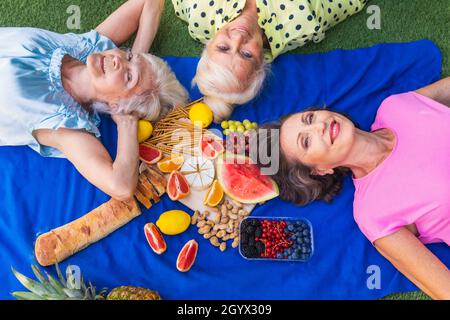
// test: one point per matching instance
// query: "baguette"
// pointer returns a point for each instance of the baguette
(61, 243)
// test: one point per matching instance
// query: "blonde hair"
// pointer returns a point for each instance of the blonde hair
(154, 103)
(212, 78)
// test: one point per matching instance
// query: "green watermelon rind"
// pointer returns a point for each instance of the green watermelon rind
(230, 193)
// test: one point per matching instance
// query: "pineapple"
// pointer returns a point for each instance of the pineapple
(66, 289)
(52, 289)
(133, 293)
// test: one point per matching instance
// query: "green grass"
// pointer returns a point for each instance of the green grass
(401, 21)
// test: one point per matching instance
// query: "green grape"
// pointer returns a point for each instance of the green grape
(232, 128)
(246, 122)
(225, 125)
(240, 129)
(254, 125)
(226, 132)
(248, 125)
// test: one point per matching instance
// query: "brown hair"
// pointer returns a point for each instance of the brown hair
(296, 182)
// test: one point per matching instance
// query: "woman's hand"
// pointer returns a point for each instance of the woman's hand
(120, 119)
(141, 16)
(416, 262)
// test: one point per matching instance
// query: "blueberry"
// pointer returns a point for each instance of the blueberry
(295, 256)
(255, 222)
(251, 241)
(307, 240)
(304, 250)
(279, 256)
(298, 223)
(306, 232)
(300, 240)
(286, 230)
(290, 228)
(258, 232)
(303, 257)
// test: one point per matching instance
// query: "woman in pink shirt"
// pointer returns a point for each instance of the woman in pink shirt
(401, 172)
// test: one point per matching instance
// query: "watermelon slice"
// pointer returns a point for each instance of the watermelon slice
(242, 180)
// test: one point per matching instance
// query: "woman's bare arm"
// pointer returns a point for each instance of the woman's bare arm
(141, 16)
(117, 179)
(416, 262)
(438, 91)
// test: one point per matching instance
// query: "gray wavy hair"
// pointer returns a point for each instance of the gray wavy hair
(212, 78)
(156, 102)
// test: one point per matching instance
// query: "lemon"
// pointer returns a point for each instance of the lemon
(201, 113)
(173, 222)
(145, 130)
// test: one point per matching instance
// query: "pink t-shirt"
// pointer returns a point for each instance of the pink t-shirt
(412, 185)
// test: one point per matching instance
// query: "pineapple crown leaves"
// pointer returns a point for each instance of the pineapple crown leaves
(51, 289)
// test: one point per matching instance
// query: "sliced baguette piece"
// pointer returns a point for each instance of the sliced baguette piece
(149, 186)
(157, 180)
(142, 198)
(60, 243)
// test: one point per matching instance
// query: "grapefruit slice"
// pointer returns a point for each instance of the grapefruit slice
(211, 147)
(242, 180)
(149, 155)
(177, 186)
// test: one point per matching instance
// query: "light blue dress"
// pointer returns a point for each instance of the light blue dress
(31, 93)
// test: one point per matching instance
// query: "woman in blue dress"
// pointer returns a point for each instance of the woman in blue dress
(52, 86)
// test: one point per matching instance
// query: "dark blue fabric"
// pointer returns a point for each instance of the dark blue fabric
(38, 194)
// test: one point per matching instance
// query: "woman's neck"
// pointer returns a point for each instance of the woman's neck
(250, 10)
(369, 151)
(76, 81)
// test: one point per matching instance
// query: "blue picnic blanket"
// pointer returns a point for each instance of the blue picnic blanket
(38, 194)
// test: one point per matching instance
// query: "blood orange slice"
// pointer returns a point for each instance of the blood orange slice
(177, 186)
(211, 147)
(149, 155)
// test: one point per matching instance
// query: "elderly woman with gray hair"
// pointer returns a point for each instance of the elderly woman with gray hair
(243, 37)
(52, 86)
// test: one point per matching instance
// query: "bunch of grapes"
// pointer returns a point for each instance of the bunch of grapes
(239, 136)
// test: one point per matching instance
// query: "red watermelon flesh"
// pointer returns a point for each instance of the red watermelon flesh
(245, 183)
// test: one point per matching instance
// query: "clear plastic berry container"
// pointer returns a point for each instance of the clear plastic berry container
(276, 239)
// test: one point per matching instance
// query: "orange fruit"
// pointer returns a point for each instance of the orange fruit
(170, 164)
(214, 195)
(177, 186)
